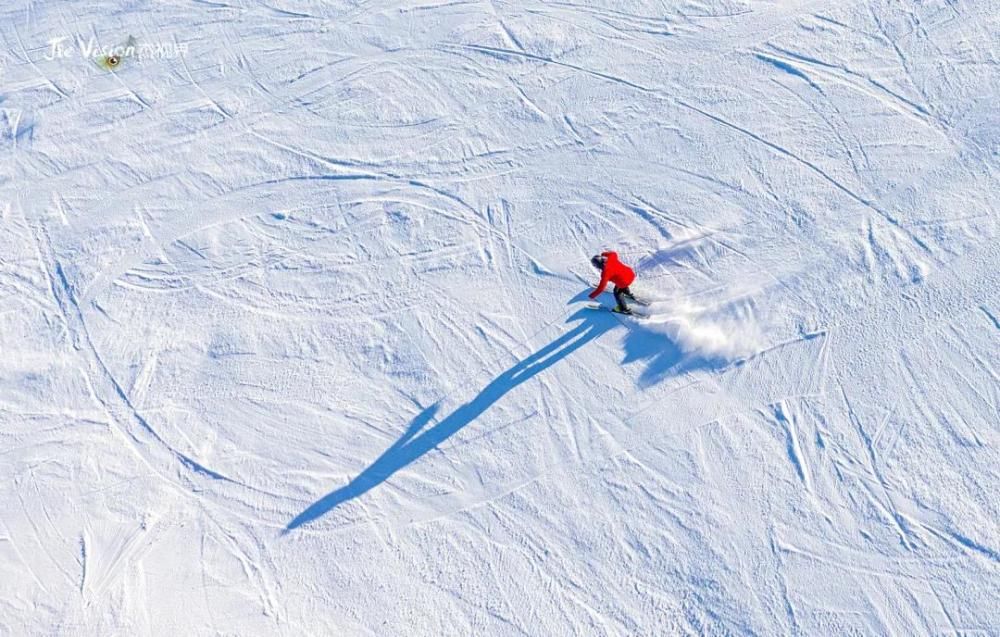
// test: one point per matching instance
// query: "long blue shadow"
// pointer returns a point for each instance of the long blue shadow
(415, 442)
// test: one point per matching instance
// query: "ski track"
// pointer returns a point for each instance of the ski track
(291, 338)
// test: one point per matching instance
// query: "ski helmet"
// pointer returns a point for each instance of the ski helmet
(597, 261)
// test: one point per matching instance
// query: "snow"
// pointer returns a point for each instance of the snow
(293, 336)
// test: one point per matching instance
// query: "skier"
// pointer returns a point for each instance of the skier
(616, 272)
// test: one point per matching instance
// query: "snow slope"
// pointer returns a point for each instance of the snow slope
(293, 336)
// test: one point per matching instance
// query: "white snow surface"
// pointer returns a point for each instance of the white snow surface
(294, 335)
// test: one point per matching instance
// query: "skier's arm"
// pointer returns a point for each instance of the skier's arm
(609, 254)
(605, 277)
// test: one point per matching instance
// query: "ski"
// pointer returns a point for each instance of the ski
(594, 306)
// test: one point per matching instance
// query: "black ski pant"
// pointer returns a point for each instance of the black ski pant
(620, 295)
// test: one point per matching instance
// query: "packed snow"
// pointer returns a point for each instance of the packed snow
(295, 336)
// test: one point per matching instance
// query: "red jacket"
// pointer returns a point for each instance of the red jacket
(616, 272)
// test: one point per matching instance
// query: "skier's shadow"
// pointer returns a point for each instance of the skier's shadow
(415, 442)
